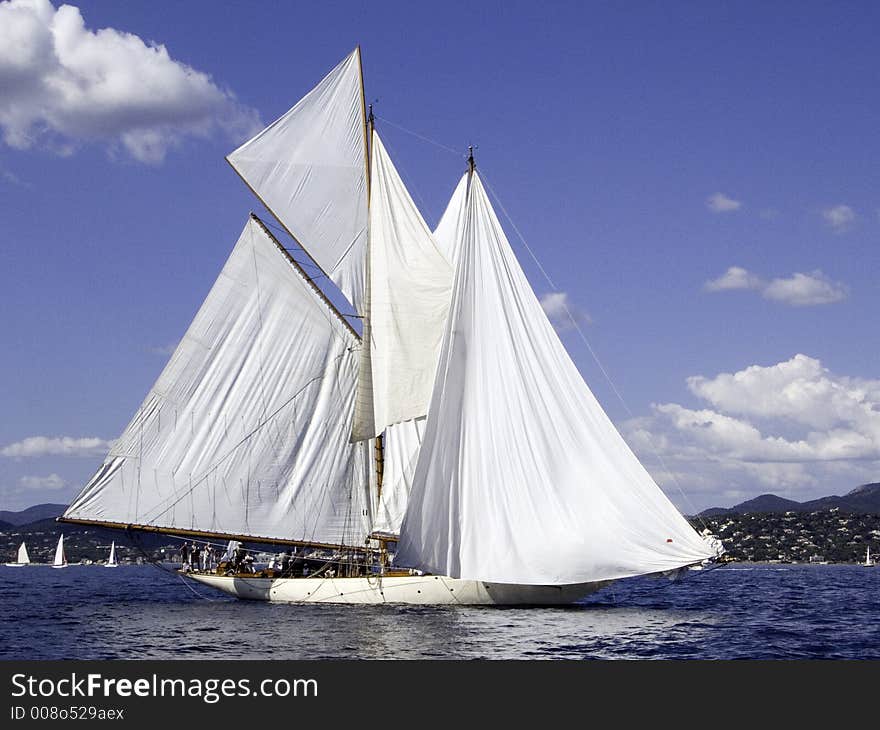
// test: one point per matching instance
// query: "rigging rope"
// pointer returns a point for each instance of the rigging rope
(442, 146)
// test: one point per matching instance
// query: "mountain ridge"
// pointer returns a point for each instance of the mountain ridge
(865, 498)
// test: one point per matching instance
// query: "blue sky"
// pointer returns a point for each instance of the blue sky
(698, 179)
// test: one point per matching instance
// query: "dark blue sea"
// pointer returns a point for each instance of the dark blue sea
(736, 612)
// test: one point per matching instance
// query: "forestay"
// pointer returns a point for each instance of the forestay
(309, 168)
(408, 298)
(247, 429)
(522, 478)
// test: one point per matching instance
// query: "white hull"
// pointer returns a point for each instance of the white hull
(16, 565)
(60, 566)
(411, 589)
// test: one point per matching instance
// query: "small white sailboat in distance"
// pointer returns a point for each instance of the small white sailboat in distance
(60, 559)
(111, 561)
(869, 561)
(22, 559)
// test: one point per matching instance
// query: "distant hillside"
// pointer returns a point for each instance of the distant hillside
(32, 514)
(864, 499)
(5, 525)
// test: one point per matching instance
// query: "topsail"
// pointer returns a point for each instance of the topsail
(309, 168)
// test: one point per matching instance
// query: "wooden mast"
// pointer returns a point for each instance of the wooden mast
(369, 126)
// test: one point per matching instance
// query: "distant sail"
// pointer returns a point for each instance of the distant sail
(522, 478)
(409, 289)
(111, 561)
(23, 557)
(246, 431)
(60, 560)
(309, 168)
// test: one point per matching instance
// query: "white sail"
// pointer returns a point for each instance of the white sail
(111, 561)
(23, 557)
(309, 168)
(409, 289)
(246, 431)
(401, 454)
(59, 560)
(449, 231)
(522, 478)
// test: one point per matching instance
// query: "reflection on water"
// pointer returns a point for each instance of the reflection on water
(733, 612)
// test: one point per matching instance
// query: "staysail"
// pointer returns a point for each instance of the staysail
(409, 287)
(402, 444)
(246, 431)
(522, 477)
(309, 168)
(449, 231)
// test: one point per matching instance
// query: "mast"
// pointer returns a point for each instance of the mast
(369, 126)
(471, 168)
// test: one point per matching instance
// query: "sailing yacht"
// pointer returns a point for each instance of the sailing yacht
(60, 560)
(21, 559)
(111, 561)
(869, 561)
(444, 451)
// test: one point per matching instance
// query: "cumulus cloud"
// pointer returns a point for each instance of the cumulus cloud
(839, 217)
(53, 481)
(561, 312)
(735, 277)
(791, 425)
(62, 84)
(35, 446)
(721, 203)
(804, 290)
(797, 290)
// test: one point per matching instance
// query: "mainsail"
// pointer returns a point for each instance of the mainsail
(23, 557)
(246, 431)
(309, 168)
(522, 478)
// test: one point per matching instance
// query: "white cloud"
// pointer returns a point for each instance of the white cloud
(720, 203)
(734, 278)
(62, 84)
(800, 390)
(56, 446)
(53, 481)
(794, 425)
(803, 290)
(798, 290)
(839, 217)
(561, 312)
